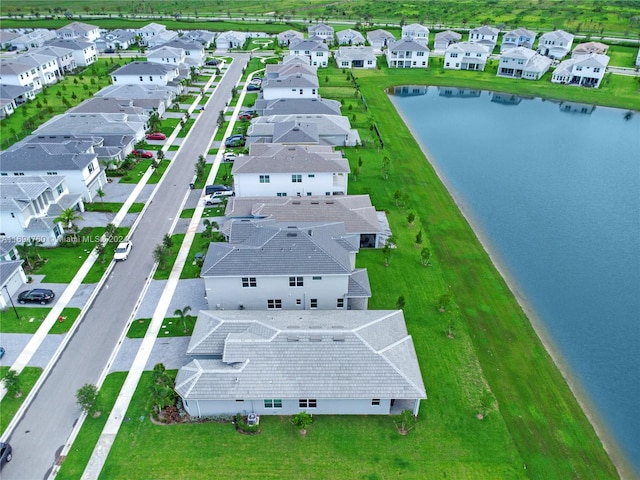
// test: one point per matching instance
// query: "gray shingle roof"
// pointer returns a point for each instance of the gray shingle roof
(71, 155)
(70, 44)
(297, 80)
(308, 106)
(291, 158)
(143, 68)
(310, 354)
(7, 244)
(379, 35)
(7, 270)
(448, 35)
(485, 30)
(407, 44)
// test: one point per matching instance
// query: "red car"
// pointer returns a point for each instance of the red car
(244, 116)
(156, 136)
(142, 153)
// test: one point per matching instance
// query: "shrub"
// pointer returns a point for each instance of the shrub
(242, 425)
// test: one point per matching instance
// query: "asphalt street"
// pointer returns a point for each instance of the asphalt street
(48, 421)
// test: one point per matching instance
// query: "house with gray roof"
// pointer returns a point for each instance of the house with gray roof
(231, 39)
(466, 56)
(33, 39)
(334, 130)
(11, 96)
(150, 97)
(111, 105)
(65, 59)
(290, 81)
(590, 47)
(290, 170)
(84, 53)
(444, 39)
(379, 39)
(316, 50)
(520, 37)
(29, 206)
(522, 62)
(93, 124)
(584, 70)
(417, 32)
(355, 57)
(287, 106)
(322, 31)
(166, 55)
(22, 74)
(146, 73)
(203, 37)
(79, 31)
(75, 160)
(6, 36)
(350, 37)
(154, 41)
(194, 54)
(407, 53)
(148, 32)
(44, 64)
(355, 211)
(270, 266)
(283, 363)
(288, 37)
(556, 44)
(117, 39)
(484, 35)
(12, 276)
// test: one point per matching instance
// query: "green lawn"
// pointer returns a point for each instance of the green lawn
(113, 207)
(622, 56)
(172, 327)
(101, 265)
(208, 212)
(30, 318)
(191, 268)
(10, 404)
(163, 273)
(135, 174)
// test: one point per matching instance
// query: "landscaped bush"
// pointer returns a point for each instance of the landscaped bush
(241, 425)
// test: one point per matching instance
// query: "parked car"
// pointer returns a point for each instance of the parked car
(122, 251)
(234, 141)
(142, 153)
(156, 136)
(223, 193)
(256, 81)
(6, 453)
(109, 50)
(210, 189)
(213, 62)
(245, 116)
(252, 87)
(229, 157)
(2, 352)
(213, 199)
(37, 295)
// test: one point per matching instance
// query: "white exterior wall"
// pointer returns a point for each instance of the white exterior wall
(275, 93)
(86, 56)
(13, 284)
(161, 80)
(229, 294)
(29, 78)
(248, 185)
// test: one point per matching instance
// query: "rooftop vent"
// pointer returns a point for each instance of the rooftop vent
(315, 338)
(291, 338)
(295, 202)
(315, 202)
(339, 338)
(291, 234)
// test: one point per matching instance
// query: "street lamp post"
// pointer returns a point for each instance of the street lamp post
(10, 300)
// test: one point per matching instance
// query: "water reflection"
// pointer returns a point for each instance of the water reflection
(505, 98)
(408, 90)
(458, 92)
(574, 107)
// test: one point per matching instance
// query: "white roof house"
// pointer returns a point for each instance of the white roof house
(145, 73)
(333, 130)
(34, 39)
(355, 57)
(316, 50)
(522, 62)
(15, 72)
(84, 53)
(417, 32)
(520, 37)
(556, 44)
(79, 31)
(466, 56)
(350, 37)
(45, 64)
(166, 55)
(322, 31)
(446, 38)
(484, 35)
(584, 70)
(282, 363)
(231, 39)
(379, 39)
(289, 36)
(407, 53)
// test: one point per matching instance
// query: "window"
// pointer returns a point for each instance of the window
(150, 78)
(307, 403)
(454, 55)
(309, 194)
(296, 282)
(317, 278)
(59, 189)
(340, 303)
(319, 54)
(274, 304)
(90, 167)
(312, 175)
(447, 64)
(375, 401)
(298, 301)
(296, 178)
(579, 68)
(273, 403)
(313, 303)
(301, 90)
(419, 54)
(596, 70)
(18, 174)
(249, 282)
(281, 194)
(265, 179)
(328, 194)
(52, 173)
(141, 78)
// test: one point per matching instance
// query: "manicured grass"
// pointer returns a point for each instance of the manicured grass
(163, 273)
(100, 266)
(171, 327)
(622, 56)
(174, 148)
(186, 127)
(208, 212)
(136, 208)
(140, 168)
(98, 206)
(200, 182)
(30, 318)
(191, 268)
(10, 404)
(159, 171)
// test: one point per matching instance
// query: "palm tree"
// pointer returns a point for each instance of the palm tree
(100, 193)
(182, 315)
(24, 251)
(67, 217)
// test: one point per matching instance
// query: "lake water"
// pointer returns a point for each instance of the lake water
(554, 191)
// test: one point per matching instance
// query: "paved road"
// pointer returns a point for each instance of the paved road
(47, 423)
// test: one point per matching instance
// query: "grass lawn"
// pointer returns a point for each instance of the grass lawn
(113, 207)
(101, 265)
(163, 273)
(172, 327)
(135, 174)
(202, 179)
(208, 212)
(30, 319)
(186, 127)
(10, 404)
(136, 208)
(191, 269)
(622, 56)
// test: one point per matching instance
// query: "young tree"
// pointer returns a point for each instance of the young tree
(406, 421)
(386, 254)
(100, 193)
(400, 303)
(160, 255)
(160, 155)
(182, 315)
(167, 242)
(355, 172)
(67, 217)
(12, 383)
(419, 239)
(162, 392)
(444, 302)
(411, 218)
(100, 251)
(425, 255)
(302, 420)
(87, 399)
(109, 231)
(209, 227)
(386, 166)
(201, 166)
(25, 254)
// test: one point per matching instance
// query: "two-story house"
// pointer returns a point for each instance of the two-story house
(444, 39)
(276, 170)
(288, 37)
(323, 32)
(34, 39)
(167, 55)
(12, 276)
(145, 73)
(153, 98)
(556, 44)
(316, 50)
(466, 56)
(355, 57)
(194, 54)
(296, 129)
(271, 266)
(407, 53)
(84, 53)
(79, 31)
(350, 37)
(65, 60)
(290, 81)
(417, 32)
(116, 39)
(590, 47)
(46, 66)
(584, 70)
(231, 39)
(484, 35)
(520, 37)
(203, 37)
(522, 62)
(147, 33)
(15, 72)
(379, 39)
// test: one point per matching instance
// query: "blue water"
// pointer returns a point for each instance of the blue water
(554, 190)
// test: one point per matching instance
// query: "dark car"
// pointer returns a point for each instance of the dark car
(234, 141)
(109, 50)
(211, 189)
(5, 453)
(37, 295)
(156, 136)
(252, 87)
(253, 113)
(2, 351)
(213, 62)
(142, 153)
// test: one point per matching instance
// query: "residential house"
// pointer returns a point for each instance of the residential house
(46, 66)
(145, 73)
(520, 37)
(484, 35)
(290, 81)
(322, 31)
(34, 39)
(6, 37)
(194, 54)
(407, 53)
(444, 39)
(74, 160)
(316, 50)
(65, 60)
(153, 98)
(466, 56)
(584, 70)
(117, 40)
(379, 39)
(92, 124)
(355, 57)
(287, 106)
(167, 55)
(350, 37)
(522, 62)
(354, 211)
(111, 105)
(84, 53)
(147, 34)
(334, 130)
(284, 363)
(160, 39)
(29, 206)
(15, 72)
(9, 98)
(556, 44)
(277, 170)
(231, 39)
(203, 37)
(417, 32)
(12, 276)
(288, 37)
(277, 266)
(588, 48)
(79, 31)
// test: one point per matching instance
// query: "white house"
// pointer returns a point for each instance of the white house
(355, 57)
(34, 39)
(117, 39)
(271, 266)
(84, 53)
(379, 39)
(276, 170)
(6, 37)
(79, 31)
(417, 32)
(520, 37)
(147, 33)
(150, 97)
(10, 99)
(466, 56)
(522, 62)
(290, 81)
(444, 39)
(145, 73)
(203, 37)
(230, 39)
(350, 37)
(316, 50)
(484, 35)
(288, 37)
(194, 54)
(294, 129)
(584, 70)
(12, 276)
(30, 204)
(15, 72)
(407, 53)
(322, 31)
(45, 64)
(65, 60)
(284, 363)
(167, 55)
(556, 44)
